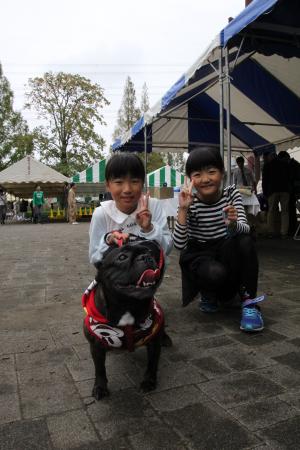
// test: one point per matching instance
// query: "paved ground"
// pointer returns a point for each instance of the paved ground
(218, 388)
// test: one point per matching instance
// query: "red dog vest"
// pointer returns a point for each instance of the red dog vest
(127, 337)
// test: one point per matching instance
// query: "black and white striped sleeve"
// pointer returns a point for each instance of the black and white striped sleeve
(180, 236)
(242, 225)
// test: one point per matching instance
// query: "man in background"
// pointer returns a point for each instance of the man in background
(242, 176)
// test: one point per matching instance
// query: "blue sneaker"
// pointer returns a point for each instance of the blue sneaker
(208, 306)
(251, 319)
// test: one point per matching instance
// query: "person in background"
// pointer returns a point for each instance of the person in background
(276, 185)
(37, 202)
(23, 208)
(294, 174)
(3, 206)
(64, 199)
(72, 208)
(243, 176)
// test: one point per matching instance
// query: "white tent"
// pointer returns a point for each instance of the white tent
(22, 177)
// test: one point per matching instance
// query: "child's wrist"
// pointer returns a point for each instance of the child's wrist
(148, 229)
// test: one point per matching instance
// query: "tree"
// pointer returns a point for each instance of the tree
(145, 104)
(175, 160)
(70, 106)
(128, 113)
(15, 139)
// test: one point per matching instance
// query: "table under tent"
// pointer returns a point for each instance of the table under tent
(242, 94)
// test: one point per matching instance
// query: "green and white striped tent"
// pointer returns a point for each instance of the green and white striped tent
(165, 174)
(93, 174)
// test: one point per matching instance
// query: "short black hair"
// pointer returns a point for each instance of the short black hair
(283, 155)
(123, 164)
(240, 159)
(72, 184)
(202, 157)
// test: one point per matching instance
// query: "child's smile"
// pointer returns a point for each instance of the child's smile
(207, 183)
(126, 192)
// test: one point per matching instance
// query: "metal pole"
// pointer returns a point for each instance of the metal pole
(228, 112)
(221, 103)
(145, 156)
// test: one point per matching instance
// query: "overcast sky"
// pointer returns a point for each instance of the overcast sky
(106, 41)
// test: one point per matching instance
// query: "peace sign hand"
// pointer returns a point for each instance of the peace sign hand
(144, 216)
(186, 196)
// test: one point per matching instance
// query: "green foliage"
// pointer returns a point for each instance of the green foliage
(175, 160)
(15, 140)
(128, 113)
(69, 105)
(154, 161)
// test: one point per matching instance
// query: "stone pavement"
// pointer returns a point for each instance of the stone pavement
(218, 388)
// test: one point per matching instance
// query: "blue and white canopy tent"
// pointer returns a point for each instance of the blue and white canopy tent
(243, 93)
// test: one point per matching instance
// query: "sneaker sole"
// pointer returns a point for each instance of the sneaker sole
(251, 330)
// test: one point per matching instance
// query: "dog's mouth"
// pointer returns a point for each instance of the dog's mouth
(149, 278)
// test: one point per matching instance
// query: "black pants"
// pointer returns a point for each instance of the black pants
(219, 269)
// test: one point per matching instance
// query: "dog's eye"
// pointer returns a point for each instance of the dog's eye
(122, 257)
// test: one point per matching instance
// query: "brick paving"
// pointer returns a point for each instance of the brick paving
(217, 388)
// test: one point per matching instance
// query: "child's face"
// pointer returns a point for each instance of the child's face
(126, 192)
(207, 182)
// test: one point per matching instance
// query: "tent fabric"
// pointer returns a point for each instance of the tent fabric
(93, 174)
(264, 58)
(22, 177)
(166, 174)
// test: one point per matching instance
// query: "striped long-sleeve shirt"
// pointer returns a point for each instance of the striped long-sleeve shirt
(206, 221)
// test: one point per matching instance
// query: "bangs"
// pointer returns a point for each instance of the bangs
(203, 157)
(125, 164)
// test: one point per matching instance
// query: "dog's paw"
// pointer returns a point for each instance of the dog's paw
(100, 392)
(148, 385)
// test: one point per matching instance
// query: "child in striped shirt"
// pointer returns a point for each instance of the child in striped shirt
(218, 257)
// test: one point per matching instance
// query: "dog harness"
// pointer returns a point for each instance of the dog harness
(123, 337)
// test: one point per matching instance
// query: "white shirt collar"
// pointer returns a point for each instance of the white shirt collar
(114, 213)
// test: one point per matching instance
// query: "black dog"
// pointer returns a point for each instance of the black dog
(121, 309)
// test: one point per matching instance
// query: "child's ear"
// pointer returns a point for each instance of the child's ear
(107, 186)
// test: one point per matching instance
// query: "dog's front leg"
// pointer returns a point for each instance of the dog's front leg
(98, 353)
(153, 352)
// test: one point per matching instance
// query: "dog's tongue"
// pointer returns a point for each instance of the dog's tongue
(149, 276)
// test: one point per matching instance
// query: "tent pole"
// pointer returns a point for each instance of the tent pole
(145, 156)
(221, 103)
(228, 113)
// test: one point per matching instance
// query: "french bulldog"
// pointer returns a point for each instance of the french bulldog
(122, 311)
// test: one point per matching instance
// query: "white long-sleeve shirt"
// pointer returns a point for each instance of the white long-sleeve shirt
(108, 217)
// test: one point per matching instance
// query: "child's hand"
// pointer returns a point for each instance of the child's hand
(185, 197)
(144, 216)
(115, 236)
(230, 215)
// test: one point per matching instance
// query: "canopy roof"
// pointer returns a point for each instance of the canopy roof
(264, 49)
(22, 177)
(166, 174)
(93, 174)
